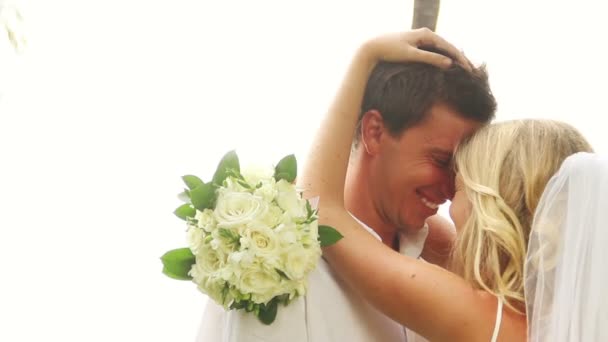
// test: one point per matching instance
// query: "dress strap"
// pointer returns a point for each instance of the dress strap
(498, 320)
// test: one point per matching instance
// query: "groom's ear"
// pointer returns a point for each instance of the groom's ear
(372, 129)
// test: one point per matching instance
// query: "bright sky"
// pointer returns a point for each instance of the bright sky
(114, 100)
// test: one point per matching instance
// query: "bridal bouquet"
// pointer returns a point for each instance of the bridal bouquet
(252, 238)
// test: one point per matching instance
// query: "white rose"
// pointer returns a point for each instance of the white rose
(272, 218)
(214, 288)
(298, 262)
(287, 237)
(287, 233)
(294, 288)
(233, 185)
(237, 263)
(241, 259)
(205, 220)
(196, 237)
(237, 209)
(209, 260)
(290, 200)
(262, 242)
(268, 191)
(262, 283)
(256, 173)
(298, 289)
(221, 243)
(314, 229)
(308, 235)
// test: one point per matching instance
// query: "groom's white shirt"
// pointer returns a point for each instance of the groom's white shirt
(330, 312)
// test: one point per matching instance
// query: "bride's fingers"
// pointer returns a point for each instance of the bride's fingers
(428, 57)
(428, 37)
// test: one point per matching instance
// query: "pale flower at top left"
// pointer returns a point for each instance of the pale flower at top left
(12, 43)
(12, 23)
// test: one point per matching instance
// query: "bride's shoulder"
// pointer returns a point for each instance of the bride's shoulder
(511, 325)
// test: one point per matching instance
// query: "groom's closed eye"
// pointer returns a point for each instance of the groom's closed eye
(442, 162)
(441, 158)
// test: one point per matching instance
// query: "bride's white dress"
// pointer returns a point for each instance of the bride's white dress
(330, 312)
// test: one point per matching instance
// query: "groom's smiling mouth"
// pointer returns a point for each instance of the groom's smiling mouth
(428, 202)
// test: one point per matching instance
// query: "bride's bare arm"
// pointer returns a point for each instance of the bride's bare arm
(428, 299)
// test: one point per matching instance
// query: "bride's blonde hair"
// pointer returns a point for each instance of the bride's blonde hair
(504, 168)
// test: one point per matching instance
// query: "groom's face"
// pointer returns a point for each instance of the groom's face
(413, 172)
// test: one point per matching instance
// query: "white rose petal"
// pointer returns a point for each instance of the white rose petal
(237, 209)
(214, 288)
(299, 262)
(272, 218)
(220, 244)
(308, 234)
(287, 237)
(233, 185)
(243, 259)
(263, 284)
(263, 242)
(255, 174)
(196, 238)
(268, 191)
(205, 220)
(290, 200)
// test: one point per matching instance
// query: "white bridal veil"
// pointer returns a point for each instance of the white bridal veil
(566, 267)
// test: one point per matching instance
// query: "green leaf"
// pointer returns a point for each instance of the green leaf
(283, 299)
(286, 169)
(229, 235)
(177, 263)
(203, 197)
(268, 312)
(237, 305)
(192, 181)
(328, 235)
(310, 213)
(184, 211)
(184, 196)
(225, 291)
(244, 184)
(230, 161)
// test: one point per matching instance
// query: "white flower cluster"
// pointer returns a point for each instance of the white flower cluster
(258, 243)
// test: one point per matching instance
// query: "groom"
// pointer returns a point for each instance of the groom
(400, 172)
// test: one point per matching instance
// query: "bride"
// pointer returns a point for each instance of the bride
(500, 285)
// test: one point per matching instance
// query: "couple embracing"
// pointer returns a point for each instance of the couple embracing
(410, 128)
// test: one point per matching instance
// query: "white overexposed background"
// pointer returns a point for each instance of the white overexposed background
(113, 101)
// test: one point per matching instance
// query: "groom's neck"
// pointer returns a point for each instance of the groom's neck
(389, 238)
(358, 202)
(365, 213)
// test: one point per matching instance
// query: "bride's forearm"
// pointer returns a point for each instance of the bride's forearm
(326, 165)
(432, 301)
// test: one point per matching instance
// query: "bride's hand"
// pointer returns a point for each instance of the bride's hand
(404, 47)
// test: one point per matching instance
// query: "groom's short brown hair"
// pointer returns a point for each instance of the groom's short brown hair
(404, 93)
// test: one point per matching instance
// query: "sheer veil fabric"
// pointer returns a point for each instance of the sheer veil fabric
(566, 269)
